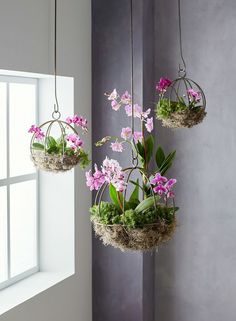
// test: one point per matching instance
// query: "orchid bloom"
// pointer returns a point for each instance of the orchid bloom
(138, 136)
(126, 133)
(75, 140)
(113, 174)
(39, 134)
(149, 124)
(113, 95)
(96, 180)
(194, 95)
(146, 113)
(158, 179)
(78, 120)
(163, 186)
(126, 98)
(117, 146)
(137, 110)
(163, 84)
(115, 105)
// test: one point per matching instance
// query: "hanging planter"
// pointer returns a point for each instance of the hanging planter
(55, 145)
(148, 217)
(181, 102)
(138, 225)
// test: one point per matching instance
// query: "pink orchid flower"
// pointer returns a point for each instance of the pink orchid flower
(149, 124)
(39, 134)
(126, 133)
(159, 189)
(126, 98)
(163, 84)
(138, 136)
(146, 113)
(113, 95)
(115, 105)
(137, 110)
(159, 179)
(117, 146)
(194, 95)
(171, 182)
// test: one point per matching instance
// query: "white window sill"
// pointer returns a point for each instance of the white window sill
(28, 288)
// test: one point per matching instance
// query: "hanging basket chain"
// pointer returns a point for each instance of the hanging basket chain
(56, 114)
(182, 69)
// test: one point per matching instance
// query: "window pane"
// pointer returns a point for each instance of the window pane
(23, 226)
(22, 101)
(3, 127)
(3, 234)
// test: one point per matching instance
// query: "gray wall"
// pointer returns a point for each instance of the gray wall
(122, 282)
(195, 273)
(26, 37)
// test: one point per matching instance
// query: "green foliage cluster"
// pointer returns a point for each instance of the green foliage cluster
(59, 147)
(132, 218)
(132, 213)
(146, 152)
(165, 107)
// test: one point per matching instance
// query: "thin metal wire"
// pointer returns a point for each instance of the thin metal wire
(182, 69)
(134, 157)
(56, 104)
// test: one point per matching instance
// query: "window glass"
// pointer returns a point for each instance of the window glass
(3, 128)
(22, 103)
(3, 233)
(23, 226)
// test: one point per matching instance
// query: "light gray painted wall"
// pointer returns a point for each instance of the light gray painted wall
(195, 273)
(26, 44)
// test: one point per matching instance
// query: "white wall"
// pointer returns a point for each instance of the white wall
(26, 36)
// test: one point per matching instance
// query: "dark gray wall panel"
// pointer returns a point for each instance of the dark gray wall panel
(123, 283)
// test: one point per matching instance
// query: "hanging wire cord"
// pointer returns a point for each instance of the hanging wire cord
(134, 154)
(182, 69)
(56, 114)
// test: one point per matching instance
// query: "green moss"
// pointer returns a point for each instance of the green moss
(111, 214)
(166, 107)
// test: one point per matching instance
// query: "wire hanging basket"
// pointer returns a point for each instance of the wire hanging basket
(142, 237)
(52, 154)
(182, 102)
(55, 145)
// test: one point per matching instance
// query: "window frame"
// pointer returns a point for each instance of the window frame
(9, 180)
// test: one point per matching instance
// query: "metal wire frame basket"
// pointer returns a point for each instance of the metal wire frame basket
(144, 238)
(178, 93)
(54, 162)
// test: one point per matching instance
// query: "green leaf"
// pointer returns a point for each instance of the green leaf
(160, 156)
(147, 203)
(135, 193)
(140, 149)
(164, 169)
(149, 143)
(53, 150)
(113, 194)
(116, 197)
(38, 146)
(51, 142)
(167, 163)
(134, 183)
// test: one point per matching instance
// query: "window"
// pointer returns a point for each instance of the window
(18, 180)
